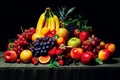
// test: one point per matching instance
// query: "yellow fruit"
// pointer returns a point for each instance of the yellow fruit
(26, 56)
(60, 40)
(45, 30)
(44, 59)
(63, 32)
(37, 35)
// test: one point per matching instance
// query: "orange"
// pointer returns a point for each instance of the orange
(44, 59)
(26, 56)
(60, 40)
(63, 32)
(37, 35)
(45, 30)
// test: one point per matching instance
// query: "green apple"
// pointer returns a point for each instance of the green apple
(74, 42)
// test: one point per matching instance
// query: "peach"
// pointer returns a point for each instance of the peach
(110, 47)
(104, 54)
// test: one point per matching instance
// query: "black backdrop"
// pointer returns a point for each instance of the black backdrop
(101, 14)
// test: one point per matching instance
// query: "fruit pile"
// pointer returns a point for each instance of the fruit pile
(58, 40)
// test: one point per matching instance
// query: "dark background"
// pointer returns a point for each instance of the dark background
(102, 15)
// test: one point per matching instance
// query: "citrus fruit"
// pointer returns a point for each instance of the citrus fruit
(63, 32)
(37, 35)
(60, 40)
(44, 59)
(26, 56)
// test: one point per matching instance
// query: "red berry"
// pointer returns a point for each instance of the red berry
(35, 62)
(19, 61)
(76, 32)
(59, 57)
(61, 62)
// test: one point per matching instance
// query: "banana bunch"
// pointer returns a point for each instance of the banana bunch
(48, 19)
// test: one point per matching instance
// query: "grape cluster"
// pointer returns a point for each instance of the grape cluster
(42, 45)
(92, 44)
(23, 40)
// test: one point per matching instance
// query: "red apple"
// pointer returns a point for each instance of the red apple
(76, 53)
(110, 47)
(83, 35)
(87, 57)
(10, 56)
(104, 54)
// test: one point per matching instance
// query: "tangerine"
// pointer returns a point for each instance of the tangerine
(60, 40)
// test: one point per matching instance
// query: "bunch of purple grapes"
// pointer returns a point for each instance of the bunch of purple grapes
(23, 40)
(42, 45)
(92, 44)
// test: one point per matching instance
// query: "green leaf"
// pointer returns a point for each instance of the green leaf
(55, 37)
(70, 11)
(99, 61)
(55, 63)
(51, 66)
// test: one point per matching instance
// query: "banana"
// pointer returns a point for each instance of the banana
(49, 22)
(41, 21)
(52, 22)
(57, 22)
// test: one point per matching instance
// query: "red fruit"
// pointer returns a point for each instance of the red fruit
(19, 61)
(53, 32)
(83, 35)
(110, 47)
(76, 53)
(76, 32)
(10, 56)
(58, 51)
(52, 51)
(61, 62)
(33, 30)
(104, 54)
(59, 57)
(33, 59)
(87, 57)
(35, 62)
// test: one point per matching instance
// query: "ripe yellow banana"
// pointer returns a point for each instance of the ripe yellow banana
(56, 19)
(52, 22)
(57, 22)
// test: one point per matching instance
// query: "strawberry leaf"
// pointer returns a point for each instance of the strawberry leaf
(56, 63)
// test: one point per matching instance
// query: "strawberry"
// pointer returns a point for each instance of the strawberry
(35, 62)
(52, 51)
(58, 51)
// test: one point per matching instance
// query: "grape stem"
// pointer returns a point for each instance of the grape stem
(21, 28)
